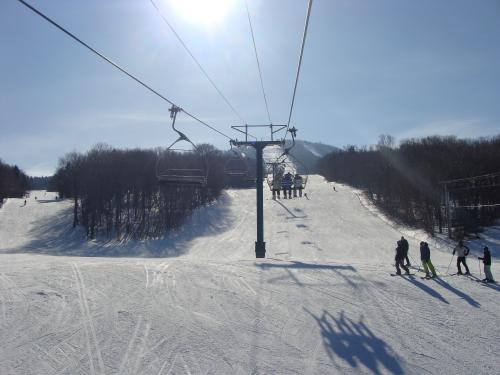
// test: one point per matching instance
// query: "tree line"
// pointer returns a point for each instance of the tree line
(116, 192)
(13, 182)
(405, 181)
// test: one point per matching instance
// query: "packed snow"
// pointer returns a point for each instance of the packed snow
(198, 302)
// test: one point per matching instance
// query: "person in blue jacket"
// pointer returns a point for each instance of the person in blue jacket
(425, 256)
(286, 185)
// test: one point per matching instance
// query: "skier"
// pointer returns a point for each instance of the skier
(486, 258)
(406, 247)
(297, 185)
(425, 256)
(462, 251)
(25, 202)
(276, 185)
(400, 257)
(286, 185)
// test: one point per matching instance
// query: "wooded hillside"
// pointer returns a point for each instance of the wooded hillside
(116, 192)
(13, 182)
(405, 181)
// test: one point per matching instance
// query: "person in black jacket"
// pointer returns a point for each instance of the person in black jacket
(406, 247)
(486, 258)
(400, 257)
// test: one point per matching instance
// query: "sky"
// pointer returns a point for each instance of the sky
(370, 67)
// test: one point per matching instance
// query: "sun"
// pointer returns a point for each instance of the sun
(203, 12)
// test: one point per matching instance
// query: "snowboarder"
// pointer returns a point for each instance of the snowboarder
(297, 185)
(406, 247)
(400, 257)
(425, 256)
(286, 185)
(486, 258)
(462, 251)
(276, 185)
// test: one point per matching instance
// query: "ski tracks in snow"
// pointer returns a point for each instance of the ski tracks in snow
(87, 322)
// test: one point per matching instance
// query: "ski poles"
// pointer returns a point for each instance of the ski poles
(453, 256)
(413, 260)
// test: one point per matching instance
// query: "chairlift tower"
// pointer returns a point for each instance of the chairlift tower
(260, 245)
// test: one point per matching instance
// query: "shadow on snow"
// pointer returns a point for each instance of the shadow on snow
(427, 289)
(57, 237)
(289, 265)
(347, 341)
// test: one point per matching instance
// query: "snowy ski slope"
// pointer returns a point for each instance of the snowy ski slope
(321, 303)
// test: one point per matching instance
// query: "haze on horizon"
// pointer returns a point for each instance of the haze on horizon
(409, 69)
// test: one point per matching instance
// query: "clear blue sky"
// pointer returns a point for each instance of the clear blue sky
(406, 68)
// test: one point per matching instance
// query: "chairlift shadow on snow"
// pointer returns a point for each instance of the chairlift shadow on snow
(288, 265)
(57, 237)
(46, 201)
(291, 213)
(352, 343)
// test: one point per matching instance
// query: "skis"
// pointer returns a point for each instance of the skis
(403, 274)
(485, 282)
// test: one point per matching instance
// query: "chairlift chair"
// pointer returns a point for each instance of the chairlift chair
(193, 171)
(236, 166)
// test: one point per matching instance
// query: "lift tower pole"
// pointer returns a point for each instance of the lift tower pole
(260, 245)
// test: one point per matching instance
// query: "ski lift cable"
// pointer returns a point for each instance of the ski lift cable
(116, 65)
(258, 63)
(165, 20)
(478, 205)
(299, 64)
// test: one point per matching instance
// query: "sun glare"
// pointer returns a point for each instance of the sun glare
(203, 12)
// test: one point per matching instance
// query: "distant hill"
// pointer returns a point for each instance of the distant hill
(308, 153)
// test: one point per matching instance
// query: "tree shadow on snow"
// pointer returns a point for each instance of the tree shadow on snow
(347, 341)
(58, 237)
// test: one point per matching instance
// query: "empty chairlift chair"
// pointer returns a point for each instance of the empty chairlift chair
(236, 173)
(181, 167)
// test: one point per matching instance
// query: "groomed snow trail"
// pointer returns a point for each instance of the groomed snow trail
(322, 302)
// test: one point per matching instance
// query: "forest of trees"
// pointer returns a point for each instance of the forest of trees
(405, 181)
(39, 183)
(13, 182)
(116, 192)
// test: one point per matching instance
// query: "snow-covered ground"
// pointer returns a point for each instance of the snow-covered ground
(198, 302)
